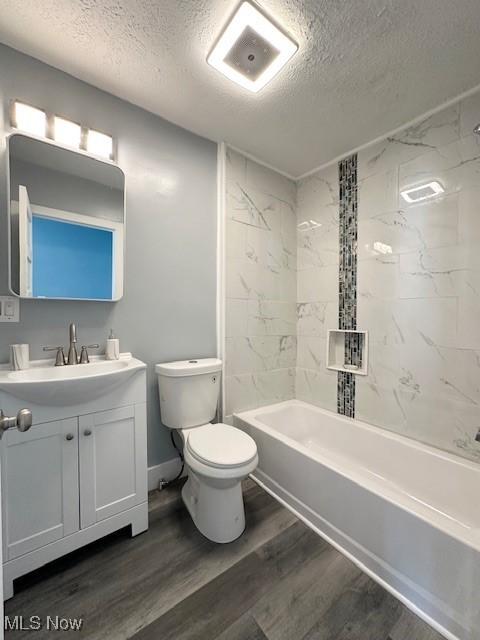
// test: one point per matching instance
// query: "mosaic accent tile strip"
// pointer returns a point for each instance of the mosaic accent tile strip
(347, 304)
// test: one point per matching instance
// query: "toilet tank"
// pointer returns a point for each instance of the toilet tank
(189, 391)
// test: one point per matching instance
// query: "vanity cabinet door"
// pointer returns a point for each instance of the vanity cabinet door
(39, 486)
(112, 464)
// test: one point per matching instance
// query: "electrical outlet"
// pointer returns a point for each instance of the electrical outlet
(9, 309)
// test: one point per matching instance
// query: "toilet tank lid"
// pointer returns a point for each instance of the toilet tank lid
(192, 367)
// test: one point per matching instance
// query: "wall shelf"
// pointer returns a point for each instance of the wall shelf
(347, 351)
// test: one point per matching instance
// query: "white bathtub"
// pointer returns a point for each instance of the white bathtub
(406, 513)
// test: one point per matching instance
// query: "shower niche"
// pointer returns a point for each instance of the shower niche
(347, 350)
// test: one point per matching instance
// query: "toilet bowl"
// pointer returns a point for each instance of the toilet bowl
(218, 456)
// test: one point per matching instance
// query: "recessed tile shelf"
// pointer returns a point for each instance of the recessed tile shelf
(337, 352)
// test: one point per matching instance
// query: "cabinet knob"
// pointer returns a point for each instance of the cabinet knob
(69, 436)
(87, 432)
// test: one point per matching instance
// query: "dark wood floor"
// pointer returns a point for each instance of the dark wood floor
(279, 581)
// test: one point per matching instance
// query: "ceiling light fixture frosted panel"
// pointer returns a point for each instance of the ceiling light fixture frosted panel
(67, 132)
(251, 49)
(422, 192)
(30, 119)
(99, 144)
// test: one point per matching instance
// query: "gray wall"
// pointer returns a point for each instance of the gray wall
(168, 310)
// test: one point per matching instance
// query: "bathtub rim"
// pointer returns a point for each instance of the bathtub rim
(249, 417)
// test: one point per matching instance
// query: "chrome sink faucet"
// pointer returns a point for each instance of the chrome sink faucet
(72, 356)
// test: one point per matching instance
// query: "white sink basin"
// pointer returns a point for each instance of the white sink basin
(46, 384)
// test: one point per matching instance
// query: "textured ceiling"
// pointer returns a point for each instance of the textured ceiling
(364, 66)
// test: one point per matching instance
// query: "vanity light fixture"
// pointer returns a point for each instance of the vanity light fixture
(251, 50)
(71, 134)
(422, 192)
(29, 119)
(67, 132)
(99, 144)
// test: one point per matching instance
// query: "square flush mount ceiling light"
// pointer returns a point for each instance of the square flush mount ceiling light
(251, 50)
(422, 192)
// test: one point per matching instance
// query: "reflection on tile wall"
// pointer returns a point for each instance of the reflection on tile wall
(260, 346)
(418, 282)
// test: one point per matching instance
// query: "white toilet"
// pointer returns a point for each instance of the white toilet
(218, 456)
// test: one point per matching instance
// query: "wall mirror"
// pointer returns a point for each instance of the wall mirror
(66, 222)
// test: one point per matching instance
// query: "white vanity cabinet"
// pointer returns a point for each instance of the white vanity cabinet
(72, 479)
(112, 464)
(40, 486)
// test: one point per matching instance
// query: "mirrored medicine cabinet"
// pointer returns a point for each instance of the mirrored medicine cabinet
(66, 220)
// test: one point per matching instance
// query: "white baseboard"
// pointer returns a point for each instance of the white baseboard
(164, 471)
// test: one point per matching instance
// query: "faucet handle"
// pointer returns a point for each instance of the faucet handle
(60, 357)
(84, 359)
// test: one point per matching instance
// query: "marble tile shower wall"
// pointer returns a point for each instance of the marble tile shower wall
(317, 285)
(261, 290)
(421, 299)
(418, 282)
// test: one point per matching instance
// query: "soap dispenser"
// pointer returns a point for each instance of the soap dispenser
(112, 349)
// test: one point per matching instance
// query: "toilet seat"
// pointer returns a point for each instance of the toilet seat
(221, 446)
